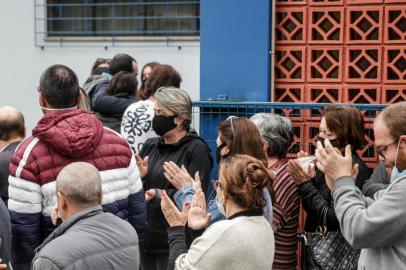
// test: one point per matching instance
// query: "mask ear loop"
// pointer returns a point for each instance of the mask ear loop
(397, 152)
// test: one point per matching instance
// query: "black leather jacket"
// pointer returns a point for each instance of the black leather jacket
(316, 196)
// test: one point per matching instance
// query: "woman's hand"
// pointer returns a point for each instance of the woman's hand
(171, 213)
(3, 266)
(150, 195)
(298, 174)
(198, 218)
(142, 165)
(179, 177)
(302, 154)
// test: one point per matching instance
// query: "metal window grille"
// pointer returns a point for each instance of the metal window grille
(103, 19)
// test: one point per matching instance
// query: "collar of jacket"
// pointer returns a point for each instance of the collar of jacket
(10, 146)
(61, 229)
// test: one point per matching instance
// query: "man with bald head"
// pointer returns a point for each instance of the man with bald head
(87, 237)
(12, 132)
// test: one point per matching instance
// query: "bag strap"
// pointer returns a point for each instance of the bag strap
(322, 229)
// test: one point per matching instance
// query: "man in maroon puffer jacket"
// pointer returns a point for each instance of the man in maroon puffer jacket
(64, 135)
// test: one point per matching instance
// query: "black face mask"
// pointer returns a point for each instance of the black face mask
(334, 142)
(218, 153)
(161, 124)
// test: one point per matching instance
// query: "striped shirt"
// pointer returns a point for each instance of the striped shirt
(285, 217)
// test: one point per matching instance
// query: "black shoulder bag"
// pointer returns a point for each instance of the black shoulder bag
(327, 250)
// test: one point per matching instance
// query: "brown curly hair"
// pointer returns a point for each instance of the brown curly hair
(243, 178)
(161, 75)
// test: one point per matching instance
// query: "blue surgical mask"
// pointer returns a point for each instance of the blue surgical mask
(396, 175)
(220, 206)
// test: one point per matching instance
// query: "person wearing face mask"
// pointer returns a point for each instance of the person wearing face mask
(236, 135)
(341, 125)
(374, 225)
(136, 126)
(176, 143)
(244, 240)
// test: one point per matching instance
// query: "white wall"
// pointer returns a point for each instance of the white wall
(22, 63)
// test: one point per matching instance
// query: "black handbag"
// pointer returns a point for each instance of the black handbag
(324, 250)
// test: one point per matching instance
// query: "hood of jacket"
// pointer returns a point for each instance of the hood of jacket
(71, 133)
(191, 135)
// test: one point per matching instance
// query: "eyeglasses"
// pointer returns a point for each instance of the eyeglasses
(381, 149)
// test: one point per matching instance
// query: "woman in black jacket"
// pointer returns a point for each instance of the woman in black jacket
(341, 126)
(176, 143)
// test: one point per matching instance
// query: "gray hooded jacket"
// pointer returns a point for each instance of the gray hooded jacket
(90, 239)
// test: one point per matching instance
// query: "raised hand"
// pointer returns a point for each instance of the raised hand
(198, 217)
(171, 213)
(333, 163)
(298, 174)
(302, 154)
(142, 165)
(179, 177)
(150, 195)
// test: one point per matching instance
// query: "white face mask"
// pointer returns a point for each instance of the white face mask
(396, 175)
(220, 206)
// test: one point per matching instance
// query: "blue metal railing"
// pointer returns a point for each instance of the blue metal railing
(114, 20)
(305, 117)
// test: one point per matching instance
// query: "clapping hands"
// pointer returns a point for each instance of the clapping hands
(196, 215)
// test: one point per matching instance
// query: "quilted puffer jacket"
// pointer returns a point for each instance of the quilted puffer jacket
(60, 138)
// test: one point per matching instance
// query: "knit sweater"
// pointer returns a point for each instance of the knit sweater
(285, 216)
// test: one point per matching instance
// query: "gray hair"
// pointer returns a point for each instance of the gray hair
(276, 130)
(80, 182)
(177, 101)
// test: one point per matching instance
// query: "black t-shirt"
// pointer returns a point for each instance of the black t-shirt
(192, 152)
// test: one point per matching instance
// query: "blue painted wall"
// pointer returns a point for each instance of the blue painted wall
(235, 45)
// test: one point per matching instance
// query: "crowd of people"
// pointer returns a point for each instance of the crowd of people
(115, 177)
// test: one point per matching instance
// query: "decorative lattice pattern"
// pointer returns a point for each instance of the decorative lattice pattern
(363, 64)
(395, 64)
(326, 25)
(393, 93)
(395, 20)
(324, 65)
(364, 25)
(290, 25)
(290, 64)
(339, 51)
